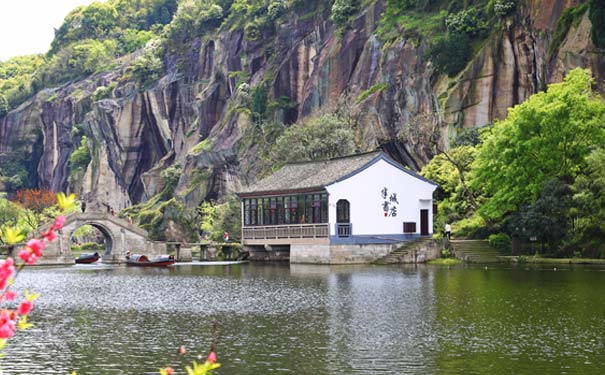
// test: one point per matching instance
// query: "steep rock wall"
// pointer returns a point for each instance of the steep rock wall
(193, 116)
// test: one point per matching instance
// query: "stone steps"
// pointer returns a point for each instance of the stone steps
(475, 251)
(412, 252)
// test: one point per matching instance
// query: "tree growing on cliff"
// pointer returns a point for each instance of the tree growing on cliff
(219, 218)
(342, 10)
(597, 17)
(322, 137)
(451, 53)
(546, 137)
(3, 106)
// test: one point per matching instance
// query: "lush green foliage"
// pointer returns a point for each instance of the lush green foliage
(500, 242)
(220, 218)
(597, 17)
(372, 90)
(80, 157)
(502, 8)
(342, 10)
(545, 219)
(193, 18)
(588, 207)
(120, 20)
(451, 53)
(316, 138)
(469, 21)
(455, 201)
(539, 174)
(3, 106)
(16, 78)
(147, 68)
(546, 137)
(163, 216)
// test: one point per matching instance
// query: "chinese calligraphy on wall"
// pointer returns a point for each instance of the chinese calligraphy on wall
(390, 203)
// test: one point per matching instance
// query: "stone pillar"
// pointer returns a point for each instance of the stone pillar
(184, 253)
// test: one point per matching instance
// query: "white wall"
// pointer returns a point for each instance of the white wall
(363, 191)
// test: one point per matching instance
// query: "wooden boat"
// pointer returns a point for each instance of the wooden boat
(87, 258)
(139, 260)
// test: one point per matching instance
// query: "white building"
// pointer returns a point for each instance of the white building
(353, 209)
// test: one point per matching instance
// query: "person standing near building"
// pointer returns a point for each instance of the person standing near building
(448, 231)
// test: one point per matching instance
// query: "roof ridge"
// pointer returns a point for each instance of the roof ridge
(377, 151)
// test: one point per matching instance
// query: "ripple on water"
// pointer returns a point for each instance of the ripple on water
(312, 320)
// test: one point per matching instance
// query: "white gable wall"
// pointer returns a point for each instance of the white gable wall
(364, 193)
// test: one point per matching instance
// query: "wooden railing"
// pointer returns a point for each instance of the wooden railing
(286, 231)
(343, 230)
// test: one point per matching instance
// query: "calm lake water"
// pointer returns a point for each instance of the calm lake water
(280, 319)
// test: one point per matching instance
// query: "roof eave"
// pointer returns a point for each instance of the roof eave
(264, 193)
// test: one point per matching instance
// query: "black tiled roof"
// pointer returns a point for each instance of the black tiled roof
(317, 174)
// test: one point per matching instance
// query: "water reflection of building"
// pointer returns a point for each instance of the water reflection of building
(347, 210)
(380, 320)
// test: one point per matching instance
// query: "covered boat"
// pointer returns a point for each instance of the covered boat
(140, 260)
(86, 258)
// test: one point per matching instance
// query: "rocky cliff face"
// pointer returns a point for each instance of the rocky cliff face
(190, 117)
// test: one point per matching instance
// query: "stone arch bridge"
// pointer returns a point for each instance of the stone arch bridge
(120, 236)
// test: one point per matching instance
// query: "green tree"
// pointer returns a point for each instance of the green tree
(80, 157)
(451, 53)
(342, 10)
(220, 218)
(4, 108)
(147, 68)
(546, 219)
(546, 137)
(317, 138)
(597, 17)
(589, 199)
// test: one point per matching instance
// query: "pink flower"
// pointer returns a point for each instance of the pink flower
(169, 370)
(212, 357)
(28, 256)
(50, 235)
(7, 269)
(59, 221)
(182, 350)
(25, 253)
(32, 260)
(36, 245)
(10, 295)
(25, 307)
(7, 324)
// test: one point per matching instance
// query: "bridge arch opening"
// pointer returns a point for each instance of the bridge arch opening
(91, 237)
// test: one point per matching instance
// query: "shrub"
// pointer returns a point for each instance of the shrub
(80, 157)
(597, 17)
(451, 53)
(500, 242)
(220, 218)
(146, 69)
(3, 106)
(468, 21)
(473, 227)
(342, 10)
(503, 8)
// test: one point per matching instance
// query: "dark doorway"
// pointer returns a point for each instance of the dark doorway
(342, 211)
(343, 218)
(424, 222)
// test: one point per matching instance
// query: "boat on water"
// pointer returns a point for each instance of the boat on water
(87, 258)
(139, 260)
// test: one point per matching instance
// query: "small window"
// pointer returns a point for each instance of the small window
(409, 227)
